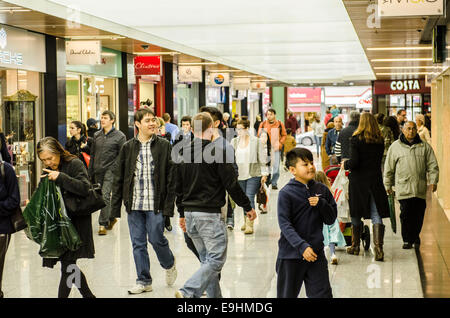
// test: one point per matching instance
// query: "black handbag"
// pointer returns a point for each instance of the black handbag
(79, 205)
(17, 219)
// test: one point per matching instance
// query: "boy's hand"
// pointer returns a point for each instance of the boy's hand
(309, 255)
(183, 224)
(251, 214)
(313, 201)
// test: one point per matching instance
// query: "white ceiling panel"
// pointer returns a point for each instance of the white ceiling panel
(293, 41)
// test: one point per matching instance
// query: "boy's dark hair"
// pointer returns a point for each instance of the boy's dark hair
(289, 131)
(110, 114)
(272, 111)
(187, 118)
(141, 113)
(215, 113)
(298, 153)
(400, 111)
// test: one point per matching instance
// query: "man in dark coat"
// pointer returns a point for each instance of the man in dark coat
(342, 146)
(292, 123)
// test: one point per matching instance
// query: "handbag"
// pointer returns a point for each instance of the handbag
(86, 158)
(17, 219)
(79, 205)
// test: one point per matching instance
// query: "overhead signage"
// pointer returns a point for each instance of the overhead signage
(21, 49)
(304, 95)
(402, 8)
(147, 65)
(190, 74)
(219, 79)
(411, 86)
(84, 52)
(405, 85)
(259, 86)
(241, 83)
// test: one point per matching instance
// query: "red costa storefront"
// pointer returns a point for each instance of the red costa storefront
(149, 83)
(412, 95)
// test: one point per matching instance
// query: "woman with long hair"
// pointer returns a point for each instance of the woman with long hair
(387, 134)
(367, 195)
(79, 142)
(392, 123)
(69, 173)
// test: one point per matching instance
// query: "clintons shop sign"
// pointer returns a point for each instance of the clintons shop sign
(147, 65)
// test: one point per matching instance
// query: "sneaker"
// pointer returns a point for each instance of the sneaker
(274, 187)
(139, 289)
(179, 294)
(407, 246)
(230, 227)
(334, 259)
(263, 210)
(171, 274)
(102, 230)
(111, 224)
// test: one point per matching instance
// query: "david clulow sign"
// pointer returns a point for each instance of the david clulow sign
(190, 74)
(83, 52)
(400, 8)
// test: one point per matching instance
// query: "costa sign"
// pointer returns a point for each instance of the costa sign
(147, 65)
(405, 85)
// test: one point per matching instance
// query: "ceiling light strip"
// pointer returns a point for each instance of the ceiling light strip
(202, 63)
(413, 48)
(406, 67)
(408, 73)
(155, 53)
(412, 59)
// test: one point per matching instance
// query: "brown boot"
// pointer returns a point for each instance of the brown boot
(378, 237)
(356, 240)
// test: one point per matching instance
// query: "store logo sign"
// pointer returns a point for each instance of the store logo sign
(83, 52)
(219, 79)
(405, 85)
(401, 8)
(147, 65)
(6, 56)
(189, 74)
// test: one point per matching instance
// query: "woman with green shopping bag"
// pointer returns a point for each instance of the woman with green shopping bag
(69, 173)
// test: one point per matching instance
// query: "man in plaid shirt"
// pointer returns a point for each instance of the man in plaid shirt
(144, 183)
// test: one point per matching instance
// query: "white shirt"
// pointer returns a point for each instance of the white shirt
(318, 128)
(243, 161)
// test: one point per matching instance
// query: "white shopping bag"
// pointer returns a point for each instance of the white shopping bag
(339, 189)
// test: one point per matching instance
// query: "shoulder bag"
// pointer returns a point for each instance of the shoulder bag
(79, 205)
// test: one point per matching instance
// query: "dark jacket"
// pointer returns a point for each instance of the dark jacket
(4, 149)
(292, 123)
(9, 198)
(91, 132)
(74, 147)
(105, 150)
(164, 186)
(73, 178)
(181, 137)
(201, 186)
(366, 176)
(344, 139)
(301, 224)
(330, 142)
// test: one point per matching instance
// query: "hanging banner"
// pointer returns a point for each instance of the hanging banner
(190, 74)
(147, 65)
(259, 86)
(241, 84)
(402, 8)
(84, 52)
(219, 79)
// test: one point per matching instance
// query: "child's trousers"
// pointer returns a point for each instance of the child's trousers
(292, 273)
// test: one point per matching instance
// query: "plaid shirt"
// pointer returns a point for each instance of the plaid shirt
(143, 193)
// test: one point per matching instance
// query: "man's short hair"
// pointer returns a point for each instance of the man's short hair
(215, 113)
(204, 119)
(166, 117)
(298, 153)
(110, 114)
(410, 122)
(186, 118)
(141, 113)
(400, 111)
(273, 111)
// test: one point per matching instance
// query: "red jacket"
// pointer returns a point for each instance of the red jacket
(292, 123)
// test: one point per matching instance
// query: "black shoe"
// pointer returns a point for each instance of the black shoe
(407, 246)
(1, 294)
(274, 187)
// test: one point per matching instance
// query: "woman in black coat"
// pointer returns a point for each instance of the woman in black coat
(79, 142)
(367, 195)
(69, 173)
(4, 149)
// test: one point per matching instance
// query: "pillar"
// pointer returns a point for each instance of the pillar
(278, 98)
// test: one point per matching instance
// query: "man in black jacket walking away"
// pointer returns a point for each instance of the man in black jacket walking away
(342, 147)
(144, 181)
(102, 166)
(202, 180)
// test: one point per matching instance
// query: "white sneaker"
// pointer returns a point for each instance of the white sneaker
(139, 289)
(334, 259)
(171, 274)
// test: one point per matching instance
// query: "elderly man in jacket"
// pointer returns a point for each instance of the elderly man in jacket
(408, 163)
(332, 137)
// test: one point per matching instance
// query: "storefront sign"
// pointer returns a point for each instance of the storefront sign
(111, 66)
(241, 83)
(259, 86)
(190, 74)
(401, 87)
(304, 95)
(21, 49)
(401, 8)
(147, 65)
(83, 52)
(219, 79)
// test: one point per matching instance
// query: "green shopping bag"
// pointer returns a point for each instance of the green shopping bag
(48, 223)
(392, 212)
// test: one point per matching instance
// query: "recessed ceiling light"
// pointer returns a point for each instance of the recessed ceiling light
(351, 83)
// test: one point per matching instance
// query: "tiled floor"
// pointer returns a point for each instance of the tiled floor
(248, 272)
(434, 252)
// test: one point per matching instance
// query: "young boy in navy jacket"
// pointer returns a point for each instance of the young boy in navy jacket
(303, 206)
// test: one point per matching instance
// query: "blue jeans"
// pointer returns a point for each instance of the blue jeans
(145, 225)
(250, 187)
(318, 140)
(209, 235)
(374, 216)
(276, 167)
